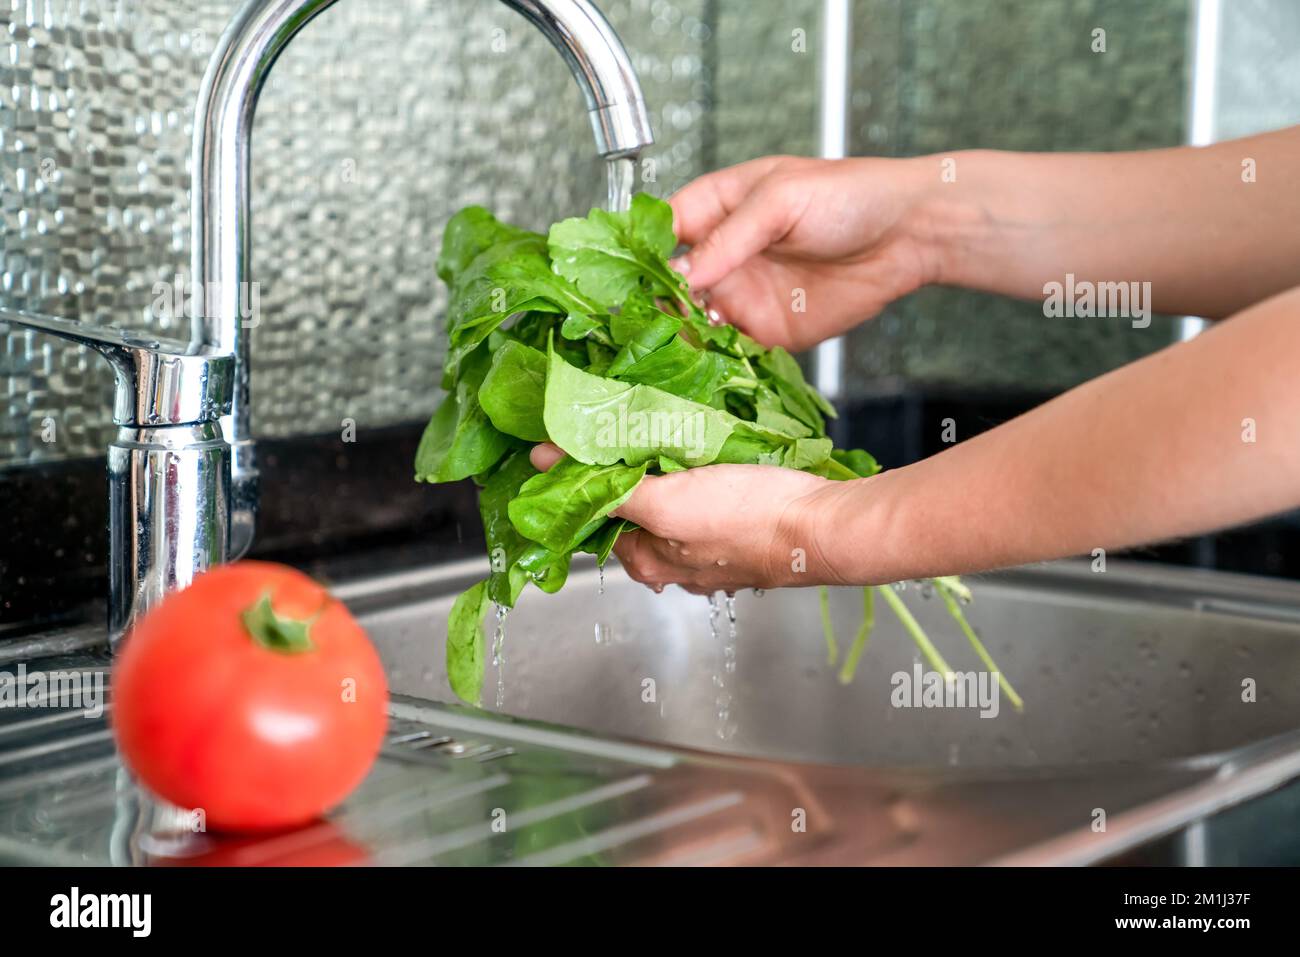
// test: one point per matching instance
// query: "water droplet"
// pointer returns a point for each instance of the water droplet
(600, 571)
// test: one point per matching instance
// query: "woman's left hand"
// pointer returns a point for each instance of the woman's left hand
(722, 527)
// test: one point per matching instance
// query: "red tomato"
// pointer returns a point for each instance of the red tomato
(252, 695)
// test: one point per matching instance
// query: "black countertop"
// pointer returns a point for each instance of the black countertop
(339, 509)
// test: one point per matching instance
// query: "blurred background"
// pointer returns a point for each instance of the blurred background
(384, 118)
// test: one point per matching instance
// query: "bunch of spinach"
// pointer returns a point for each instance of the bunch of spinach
(561, 338)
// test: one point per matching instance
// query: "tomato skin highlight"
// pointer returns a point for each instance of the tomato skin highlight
(257, 738)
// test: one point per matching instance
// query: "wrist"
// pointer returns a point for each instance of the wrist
(854, 533)
(959, 218)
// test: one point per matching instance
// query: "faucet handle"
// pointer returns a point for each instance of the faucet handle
(160, 382)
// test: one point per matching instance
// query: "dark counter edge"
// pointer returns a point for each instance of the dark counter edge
(340, 509)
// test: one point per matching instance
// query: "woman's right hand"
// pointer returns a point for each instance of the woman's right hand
(795, 250)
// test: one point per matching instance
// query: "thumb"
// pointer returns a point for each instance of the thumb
(761, 219)
(545, 455)
(650, 506)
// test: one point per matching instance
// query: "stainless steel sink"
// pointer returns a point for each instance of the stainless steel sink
(1132, 681)
(1133, 665)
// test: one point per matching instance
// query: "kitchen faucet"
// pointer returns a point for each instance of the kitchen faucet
(183, 476)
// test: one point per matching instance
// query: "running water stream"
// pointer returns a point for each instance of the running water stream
(723, 676)
(499, 653)
(620, 179)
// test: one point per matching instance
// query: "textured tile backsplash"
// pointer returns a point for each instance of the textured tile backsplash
(382, 118)
(378, 122)
(939, 75)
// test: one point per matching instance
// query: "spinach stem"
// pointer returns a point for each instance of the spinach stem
(828, 628)
(946, 593)
(864, 632)
(839, 471)
(918, 634)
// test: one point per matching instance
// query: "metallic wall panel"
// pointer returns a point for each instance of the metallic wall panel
(1259, 63)
(378, 122)
(932, 76)
(385, 117)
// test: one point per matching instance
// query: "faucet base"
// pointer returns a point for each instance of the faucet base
(168, 502)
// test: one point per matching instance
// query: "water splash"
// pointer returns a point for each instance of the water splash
(499, 653)
(604, 633)
(620, 177)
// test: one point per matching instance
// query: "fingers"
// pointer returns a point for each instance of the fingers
(630, 550)
(545, 455)
(703, 203)
(656, 563)
(642, 557)
(764, 216)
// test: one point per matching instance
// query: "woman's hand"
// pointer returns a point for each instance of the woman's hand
(722, 527)
(795, 250)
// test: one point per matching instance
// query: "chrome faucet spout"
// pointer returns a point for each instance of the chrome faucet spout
(220, 192)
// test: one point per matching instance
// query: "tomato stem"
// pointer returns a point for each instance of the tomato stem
(276, 632)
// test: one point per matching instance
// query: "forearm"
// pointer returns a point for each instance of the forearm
(1186, 220)
(1196, 437)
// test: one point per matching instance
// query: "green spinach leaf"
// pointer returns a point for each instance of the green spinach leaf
(588, 338)
(514, 389)
(460, 440)
(561, 507)
(603, 421)
(465, 643)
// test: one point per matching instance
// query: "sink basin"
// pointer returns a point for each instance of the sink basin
(1137, 664)
(610, 746)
